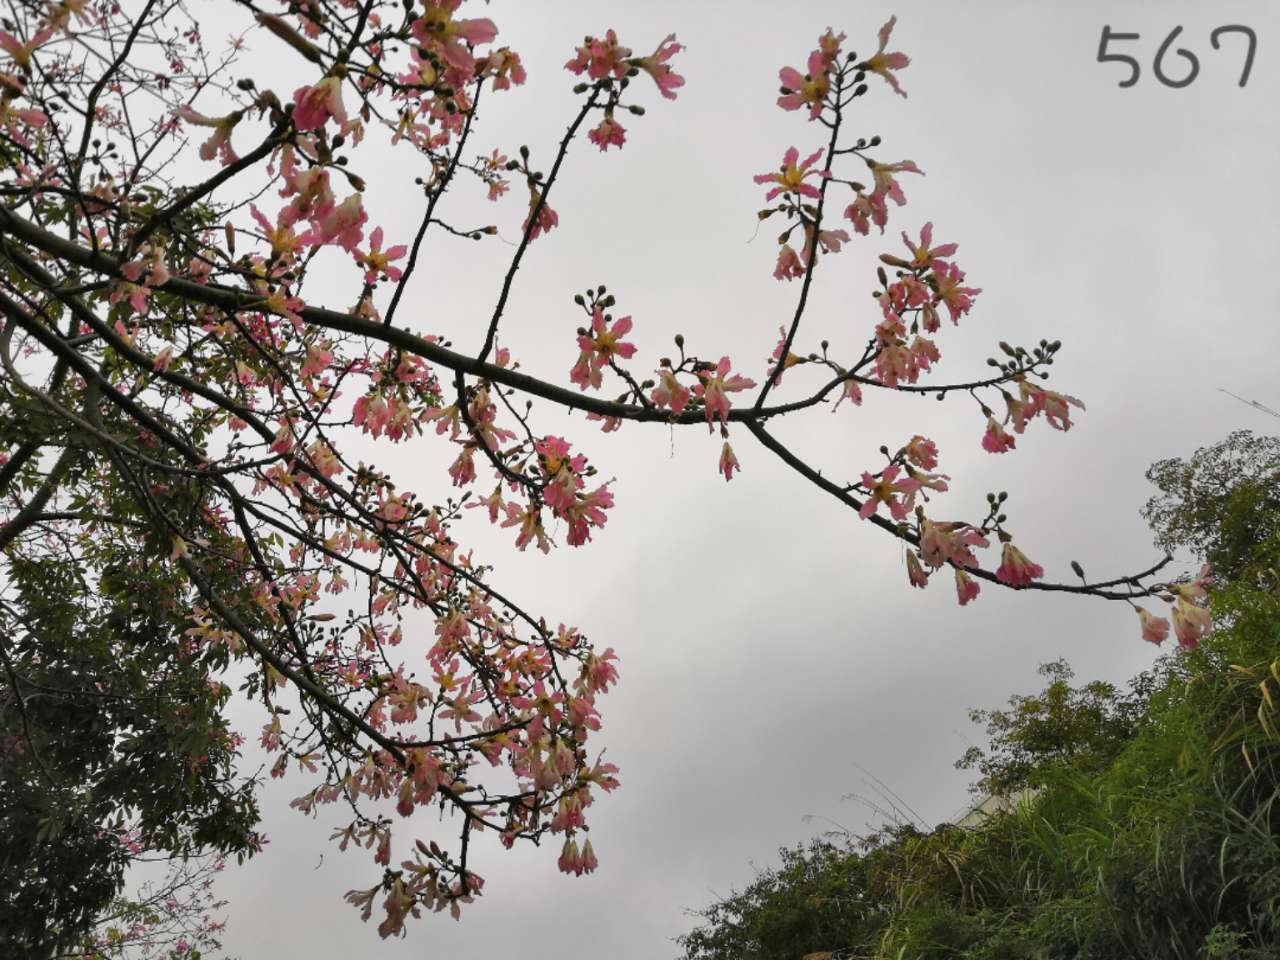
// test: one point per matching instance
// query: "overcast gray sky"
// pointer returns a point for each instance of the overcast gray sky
(774, 658)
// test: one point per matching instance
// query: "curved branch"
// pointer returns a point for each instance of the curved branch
(1098, 589)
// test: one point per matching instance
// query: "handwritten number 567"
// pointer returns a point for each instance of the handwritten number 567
(1192, 62)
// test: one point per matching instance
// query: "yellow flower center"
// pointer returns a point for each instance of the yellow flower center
(814, 90)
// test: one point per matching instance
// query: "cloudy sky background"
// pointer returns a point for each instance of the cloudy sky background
(774, 659)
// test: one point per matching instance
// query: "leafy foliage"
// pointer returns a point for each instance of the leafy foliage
(113, 741)
(1222, 502)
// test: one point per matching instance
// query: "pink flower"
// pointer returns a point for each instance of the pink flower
(312, 196)
(791, 176)
(934, 481)
(728, 462)
(163, 359)
(505, 67)
(656, 66)
(959, 300)
(996, 440)
(587, 512)
(808, 89)
(922, 452)
(463, 469)
(148, 269)
(135, 294)
(898, 495)
(563, 473)
(437, 30)
(21, 52)
(598, 348)
(866, 210)
(529, 520)
(789, 266)
(902, 294)
(313, 106)
(776, 362)
(883, 63)
(715, 386)
(1190, 623)
(670, 392)
(282, 442)
(219, 142)
(829, 240)
(850, 391)
(1154, 629)
(607, 424)
(1035, 400)
(547, 218)
(923, 254)
(600, 58)
(1194, 591)
(897, 360)
(966, 587)
(343, 225)
(1015, 569)
(829, 43)
(608, 132)
(371, 413)
(1056, 410)
(589, 862)
(886, 185)
(317, 360)
(1019, 412)
(17, 123)
(377, 261)
(283, 239)
(324, 459)
(577, 862)
(949, 543)
(915, 572)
